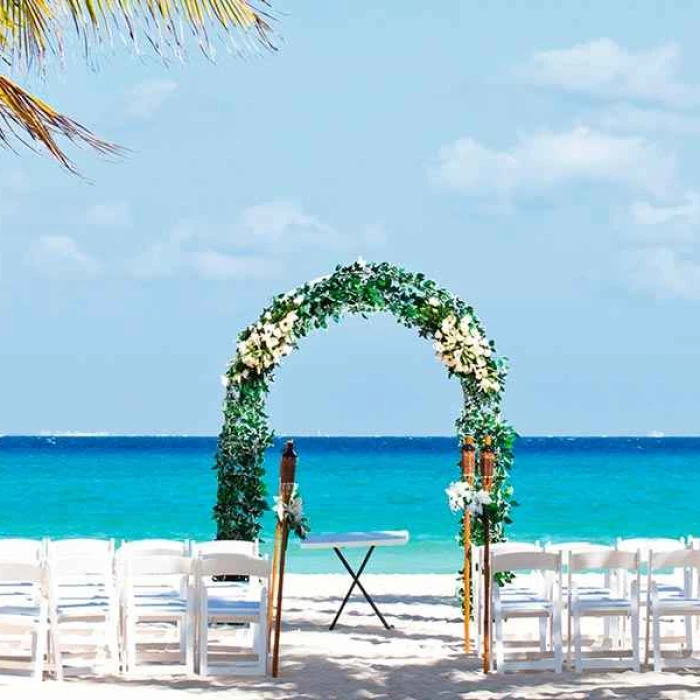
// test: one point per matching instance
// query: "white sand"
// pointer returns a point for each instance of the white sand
(421, 658)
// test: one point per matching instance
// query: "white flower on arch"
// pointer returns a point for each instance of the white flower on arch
(462, 496)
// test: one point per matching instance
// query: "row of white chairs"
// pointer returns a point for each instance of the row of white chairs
(612, 589)
(72, 593)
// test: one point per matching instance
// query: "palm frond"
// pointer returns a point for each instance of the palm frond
(32, 121)
(30, 28)
(26, 27)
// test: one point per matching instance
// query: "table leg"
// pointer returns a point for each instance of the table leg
(356, 582)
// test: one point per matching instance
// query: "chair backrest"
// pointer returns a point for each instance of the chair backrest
(609, 559)
(576, 547)
(525, 561)
(73, 558)
(510, 546)
(226, 547)
(650, 544)
(676, 559)
(83, 546)
(21, 549)
(159, 565)
(21, 571)
(569, 548)
(224, 564)
(153, 547)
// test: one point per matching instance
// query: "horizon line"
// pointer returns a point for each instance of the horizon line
(282, 435)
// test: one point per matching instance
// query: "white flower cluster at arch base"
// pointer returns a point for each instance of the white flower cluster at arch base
(292, 512)
(462, 348)
(462, 496)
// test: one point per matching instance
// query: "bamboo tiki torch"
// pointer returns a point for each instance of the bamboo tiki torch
(467, 463)
(288, 467)
(488, 459)
(272, 593)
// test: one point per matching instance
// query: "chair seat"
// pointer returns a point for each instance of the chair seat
(84, 588)
(83, 607)
(157, 606)
(157, 592)
(600, 602)
(244, 610)
(18, 595)
(670, 602)
(20, 615)
(70, 593)
(667, 589)
(227, 589)
(521, 601)
(586, 590)
(664, 589)
(530, 608)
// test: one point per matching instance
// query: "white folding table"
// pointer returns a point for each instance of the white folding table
(341, 540)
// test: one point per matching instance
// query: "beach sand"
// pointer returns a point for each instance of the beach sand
(421, 658)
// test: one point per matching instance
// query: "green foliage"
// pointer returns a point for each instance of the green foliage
(360, 288)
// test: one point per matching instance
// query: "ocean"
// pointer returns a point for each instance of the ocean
(568, 489)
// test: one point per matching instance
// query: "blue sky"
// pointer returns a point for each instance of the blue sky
(539, 159)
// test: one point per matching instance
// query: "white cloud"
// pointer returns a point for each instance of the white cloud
(188, 251)
(663, 260)
(109, 214)
(686, 212)
(160, 259)
(145, 99)
(604, 68)
(169, 259)
(544, 159)
(663, 272)
(214, 265)
(59, 257)
(628, 118)
(259, 244)
(283, 224)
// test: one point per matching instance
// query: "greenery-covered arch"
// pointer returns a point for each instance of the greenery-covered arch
(360, 288)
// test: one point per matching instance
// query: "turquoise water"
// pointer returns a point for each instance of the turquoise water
(568, 488)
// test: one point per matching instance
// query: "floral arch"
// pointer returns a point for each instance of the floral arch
(360, 288)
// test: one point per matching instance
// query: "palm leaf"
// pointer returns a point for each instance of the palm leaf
(25, 27)
(32, 121)
(30, 28)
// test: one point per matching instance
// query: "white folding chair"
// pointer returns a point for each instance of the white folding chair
(24, 610)
(219, 603)
(477, 567)
(149, 598)
(541, 601)
(673, 601)
(645, 546)
(83, 607)
(163, 585)
(611, 601)
(566, 549)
